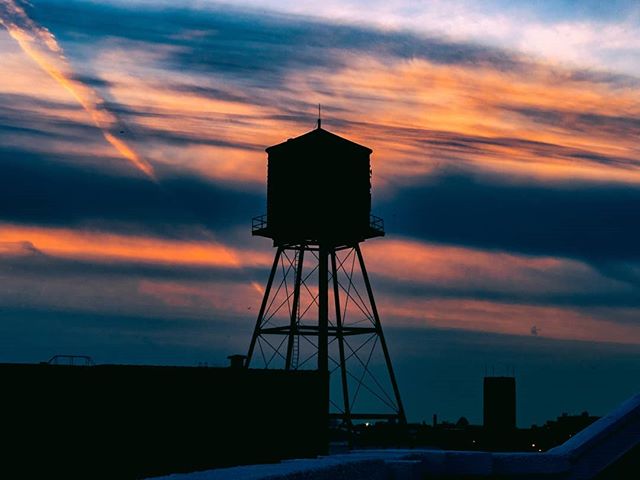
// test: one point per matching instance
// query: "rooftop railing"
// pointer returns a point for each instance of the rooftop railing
(376, 224)
(71, 360)
(260, 224)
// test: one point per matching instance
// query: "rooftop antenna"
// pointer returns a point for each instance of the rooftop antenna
(319, 116)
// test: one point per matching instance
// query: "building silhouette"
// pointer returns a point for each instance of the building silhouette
(80, 420)
(499, 404)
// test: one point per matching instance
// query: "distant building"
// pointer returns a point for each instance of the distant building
(500, 403)
(237, 361)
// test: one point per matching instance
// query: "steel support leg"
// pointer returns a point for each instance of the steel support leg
(378, 326)
(323, 310)
(263, 306)
(339, 334)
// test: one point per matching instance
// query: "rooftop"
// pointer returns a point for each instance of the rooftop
(318, 137)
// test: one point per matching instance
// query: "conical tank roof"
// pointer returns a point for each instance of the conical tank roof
(316, 139)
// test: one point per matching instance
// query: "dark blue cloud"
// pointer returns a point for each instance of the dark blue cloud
(224, 40)
(589, 222)
(450, 149)
(581, 122)
(43, 189)
(618, 298)
(32, 117)
(32, 262)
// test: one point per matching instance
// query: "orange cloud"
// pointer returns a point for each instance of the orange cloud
(416, 115)
(107, 247)
(402, 260)
(420, 114)
(459, 267)
(512, 319)
(42, 47)
(202, 297)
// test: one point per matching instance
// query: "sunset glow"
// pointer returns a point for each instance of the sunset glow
(506, 165)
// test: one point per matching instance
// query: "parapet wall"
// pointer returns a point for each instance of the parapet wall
(122, 421)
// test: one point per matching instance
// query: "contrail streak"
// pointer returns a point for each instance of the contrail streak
(42, 47)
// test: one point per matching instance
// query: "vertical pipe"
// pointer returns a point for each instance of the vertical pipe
(263, 306)
(293, 326)
(378, 326)
(339, 334)
(323, 310)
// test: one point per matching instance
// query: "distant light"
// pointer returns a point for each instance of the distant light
(473, 441)
(533, 445)
(539, 449)
(366, 424)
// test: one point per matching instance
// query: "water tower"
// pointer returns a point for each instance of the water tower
(318, 309)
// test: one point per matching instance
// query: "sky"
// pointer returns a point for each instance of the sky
(506, 165)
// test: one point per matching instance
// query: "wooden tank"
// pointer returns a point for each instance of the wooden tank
(318, 191)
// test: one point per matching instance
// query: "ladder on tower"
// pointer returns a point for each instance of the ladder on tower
(295, 354)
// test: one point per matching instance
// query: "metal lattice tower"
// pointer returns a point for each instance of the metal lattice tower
(318, 309)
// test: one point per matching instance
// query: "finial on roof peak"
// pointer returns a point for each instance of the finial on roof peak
(319, 116)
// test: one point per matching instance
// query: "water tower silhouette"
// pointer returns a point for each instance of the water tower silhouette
(317, 304)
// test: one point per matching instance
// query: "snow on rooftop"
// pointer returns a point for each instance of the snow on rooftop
(581, 457)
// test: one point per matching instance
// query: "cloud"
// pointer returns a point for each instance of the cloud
(88, 271)
(582, 33)
(41, 46)
(111, 247)
(582, 122)
(221, 38)
(193, 94)
(507, 183)
(85, 271)
(588, 222)
(514, 319)
(35, 188)
(17, 249)
(408, 269)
